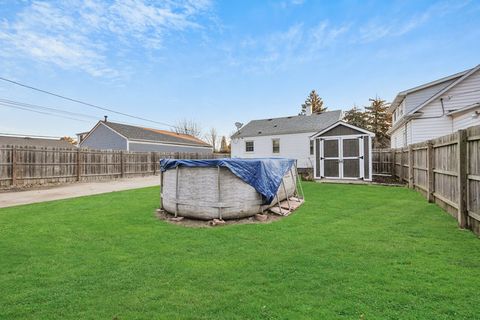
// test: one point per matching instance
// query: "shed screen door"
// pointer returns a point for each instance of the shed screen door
(342, 158)
(351, 157)
(331, 158)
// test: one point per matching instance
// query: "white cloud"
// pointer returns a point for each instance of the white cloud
(279, 50)
(375, 30)
(81, 35)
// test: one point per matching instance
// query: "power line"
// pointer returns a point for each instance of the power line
(27, 135)
(27, 106)
(36, 106)
(84, 103)
(40, 112)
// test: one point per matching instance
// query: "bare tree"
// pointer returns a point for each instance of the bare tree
(69, 140)
(188, 127)
(212, 138)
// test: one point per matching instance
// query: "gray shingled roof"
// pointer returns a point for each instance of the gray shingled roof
(34, 142)
(154, 135)
(285, 125)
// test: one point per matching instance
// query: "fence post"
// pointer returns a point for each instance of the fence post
(400, 173)
(154, 166)
(394, 163)
(430, 173)
(122, 164)
(14, 166)
(79, 164)
(411, 182)
(462, 178)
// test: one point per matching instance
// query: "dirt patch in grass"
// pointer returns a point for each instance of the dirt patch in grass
(387, 180)
(194, 223)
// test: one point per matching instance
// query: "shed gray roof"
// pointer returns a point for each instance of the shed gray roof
(34, 142)
(286, 125)
(153, 135)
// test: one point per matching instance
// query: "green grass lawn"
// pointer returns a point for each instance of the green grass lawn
(351, 252)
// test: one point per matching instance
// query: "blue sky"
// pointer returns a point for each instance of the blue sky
(218, 62)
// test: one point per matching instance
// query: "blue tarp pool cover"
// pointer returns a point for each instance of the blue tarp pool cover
(265, 175)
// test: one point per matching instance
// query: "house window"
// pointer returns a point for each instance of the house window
(311, 147)
(249, 146)
(276, 145)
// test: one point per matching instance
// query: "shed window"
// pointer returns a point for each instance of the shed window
(311, 147)
(249, 146)
(276, 145)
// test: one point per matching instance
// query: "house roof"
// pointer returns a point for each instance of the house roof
(286, 125)
(35, 142)
(153, 135)
(448, 82)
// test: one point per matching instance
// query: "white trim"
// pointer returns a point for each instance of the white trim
(361, 154)
(338, 123)
(245, 146)
(370, 160)
(464, 109)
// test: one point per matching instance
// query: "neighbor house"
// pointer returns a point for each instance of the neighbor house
(436, 108)
(22, 141)
(323, 145)
(118, 136)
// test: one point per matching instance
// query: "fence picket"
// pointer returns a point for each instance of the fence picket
(444, 170)
(29, 165)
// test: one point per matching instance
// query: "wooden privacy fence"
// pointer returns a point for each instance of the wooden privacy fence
(29, 165)
(445, 170)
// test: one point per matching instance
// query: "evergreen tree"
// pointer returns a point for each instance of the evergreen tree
(379, 121)
(224, 146)
(356, 117)
(315, 102)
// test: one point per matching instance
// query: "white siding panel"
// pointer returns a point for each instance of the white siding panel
(415, 99)
(294, 146)
(465, 93)
(426, 129)
(396, 139)
(466, 120)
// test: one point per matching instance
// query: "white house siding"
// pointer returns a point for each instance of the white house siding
(294, 146)
(396, 138)
(466, 120)
(425, 129)
(465, 93)
(414, 99)
(402, 136)
(433, 122)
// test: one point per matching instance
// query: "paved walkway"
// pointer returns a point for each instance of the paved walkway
(14, 198)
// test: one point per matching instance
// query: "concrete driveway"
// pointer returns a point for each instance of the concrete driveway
(15, 198)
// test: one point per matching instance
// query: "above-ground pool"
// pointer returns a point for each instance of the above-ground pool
(225, 188)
